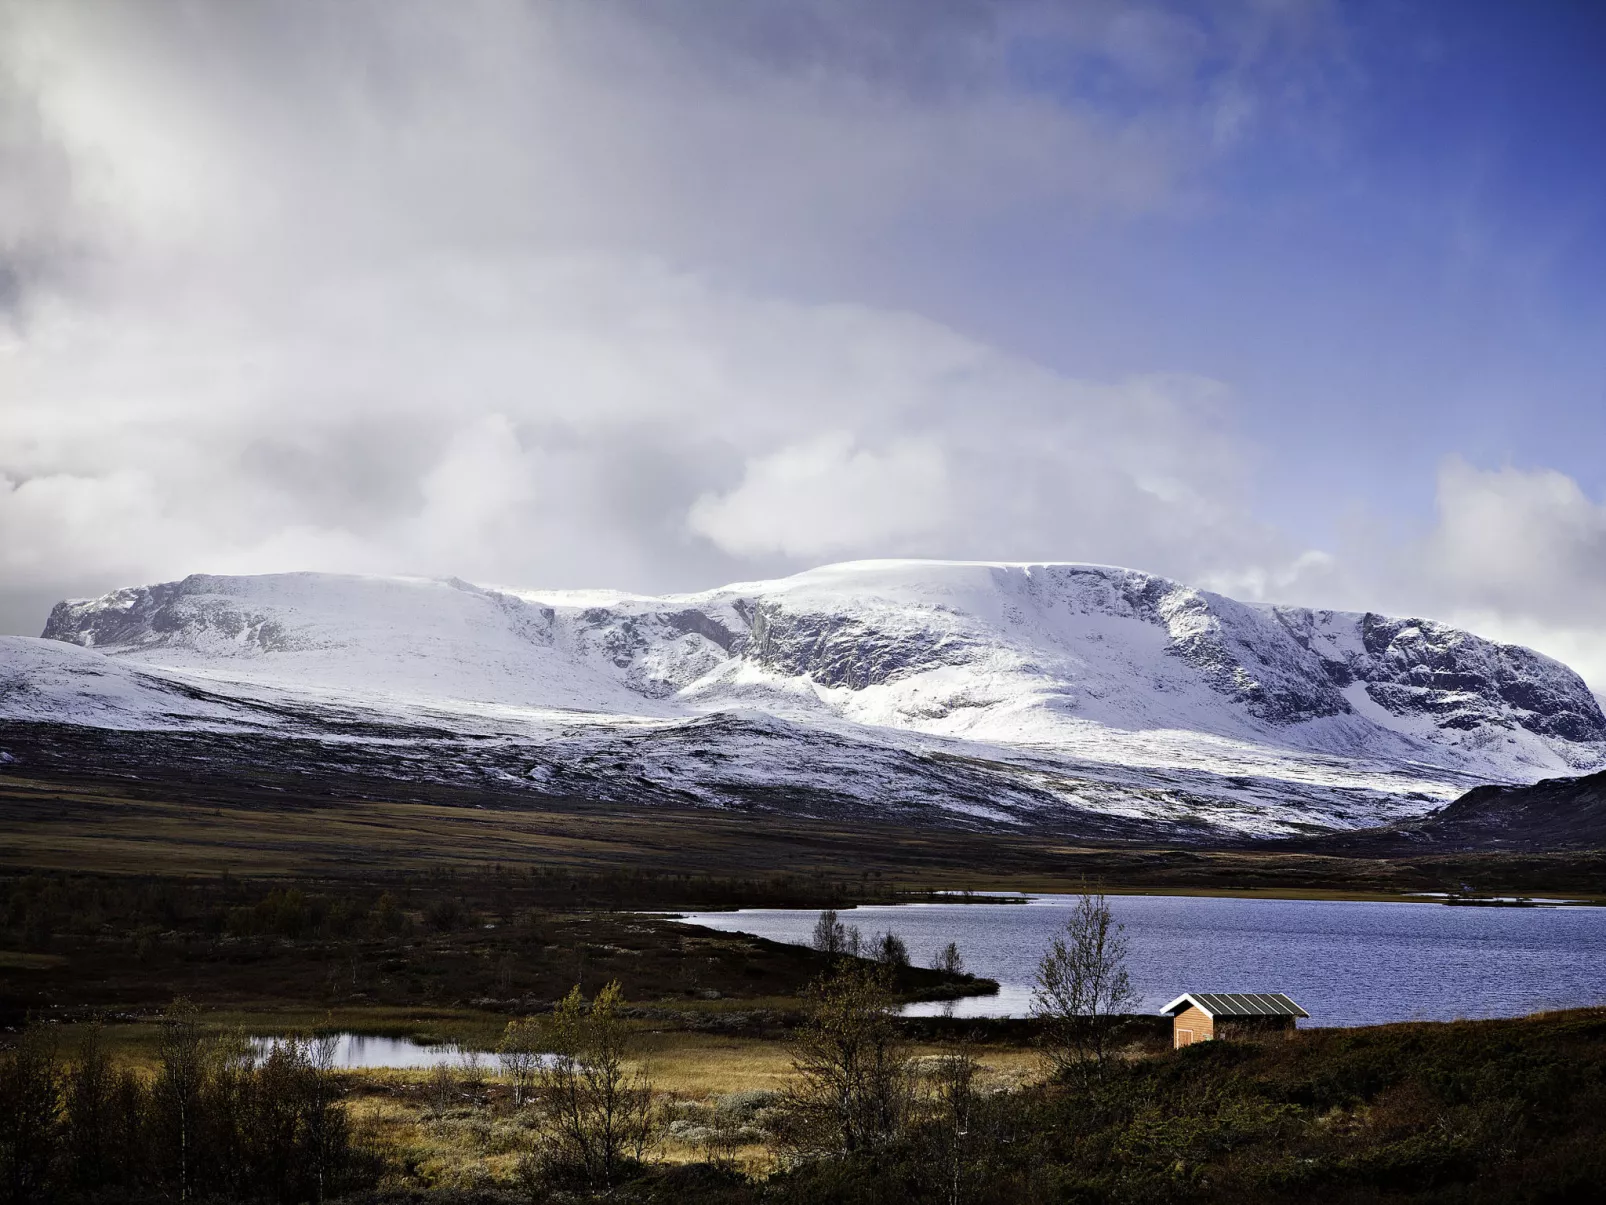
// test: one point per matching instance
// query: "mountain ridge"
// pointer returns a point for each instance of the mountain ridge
(1073, 687)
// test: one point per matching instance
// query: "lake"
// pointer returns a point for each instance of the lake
(362, 1050)
(1345, 962)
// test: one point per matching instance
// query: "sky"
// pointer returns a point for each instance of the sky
(1299, 301)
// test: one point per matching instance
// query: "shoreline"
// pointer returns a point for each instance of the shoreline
(997, 896)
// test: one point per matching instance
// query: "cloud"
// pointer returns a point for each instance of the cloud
(1519, 542)
(541, 293)
(594, 293)
(581, 419)
(1520, 554)
(826, 496)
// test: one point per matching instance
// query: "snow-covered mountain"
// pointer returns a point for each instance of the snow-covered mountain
(1063, 695)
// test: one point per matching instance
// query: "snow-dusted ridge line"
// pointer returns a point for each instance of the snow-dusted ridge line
(1020, 692)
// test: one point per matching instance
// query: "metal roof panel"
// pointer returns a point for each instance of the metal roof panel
(1238, 1004)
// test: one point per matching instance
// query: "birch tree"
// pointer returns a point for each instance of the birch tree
(1083, 988)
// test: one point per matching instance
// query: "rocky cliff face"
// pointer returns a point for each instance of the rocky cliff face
(1414, 667)
(197, 612)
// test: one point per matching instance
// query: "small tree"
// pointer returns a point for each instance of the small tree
(830, 934)
(326, 1126)
(950, 1105)
(597, 1110)
(470, 1069)
(30, 1114)
(519, 1052)
(91, 1086)
(890, 950)
(722, 1136)
(1083, 987)
(849, 1092)
(441, 1086)
(247, 1126)
(274, 1084)
(180, 1081)
(948, 960)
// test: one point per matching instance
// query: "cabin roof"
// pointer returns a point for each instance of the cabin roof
(1237, 1004)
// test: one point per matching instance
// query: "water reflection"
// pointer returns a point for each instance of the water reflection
(355, 1050)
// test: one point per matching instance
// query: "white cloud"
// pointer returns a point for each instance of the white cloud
(1520, 555)
(588, 419)
(1519, 541)
(826, 496)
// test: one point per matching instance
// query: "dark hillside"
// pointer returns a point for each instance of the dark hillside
(1465, 1113)
(1552, 816)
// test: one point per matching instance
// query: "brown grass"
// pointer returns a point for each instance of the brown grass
(113, 825)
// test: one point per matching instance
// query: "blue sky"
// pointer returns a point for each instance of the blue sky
(1402, 260)
(1297, 300)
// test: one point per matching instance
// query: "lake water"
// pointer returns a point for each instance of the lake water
(361, 1050)
(1346, 963)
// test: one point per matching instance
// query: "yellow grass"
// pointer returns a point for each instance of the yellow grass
(464, 1149)
(697, 1066)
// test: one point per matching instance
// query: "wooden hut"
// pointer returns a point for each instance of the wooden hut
(1207, 1016)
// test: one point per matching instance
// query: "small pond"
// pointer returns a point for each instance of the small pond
(364, 1050)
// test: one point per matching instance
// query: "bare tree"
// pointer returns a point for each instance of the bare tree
(832, 936)
(597, 1109)
(325, 1123)
(91, 1113)
(949, 1102)
(440, 1086)
(30, 1114)
(1083, 988)
(519, 1052)
(470, 1069)
(849, 1092)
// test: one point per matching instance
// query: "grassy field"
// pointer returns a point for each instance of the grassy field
(123, 826)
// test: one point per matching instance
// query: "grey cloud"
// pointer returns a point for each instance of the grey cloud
(499, 290)
(359, 473)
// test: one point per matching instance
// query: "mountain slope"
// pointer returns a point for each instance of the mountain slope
(971, 693)
(1554, 815)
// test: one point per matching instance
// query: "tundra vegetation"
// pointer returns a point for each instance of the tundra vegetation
(799, 1083)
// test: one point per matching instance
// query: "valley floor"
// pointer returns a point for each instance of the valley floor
(256, 821)
(453, 948)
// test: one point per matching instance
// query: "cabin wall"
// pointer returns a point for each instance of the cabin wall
(1191, 1025)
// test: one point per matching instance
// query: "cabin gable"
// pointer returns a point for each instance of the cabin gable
(1192, 1025)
